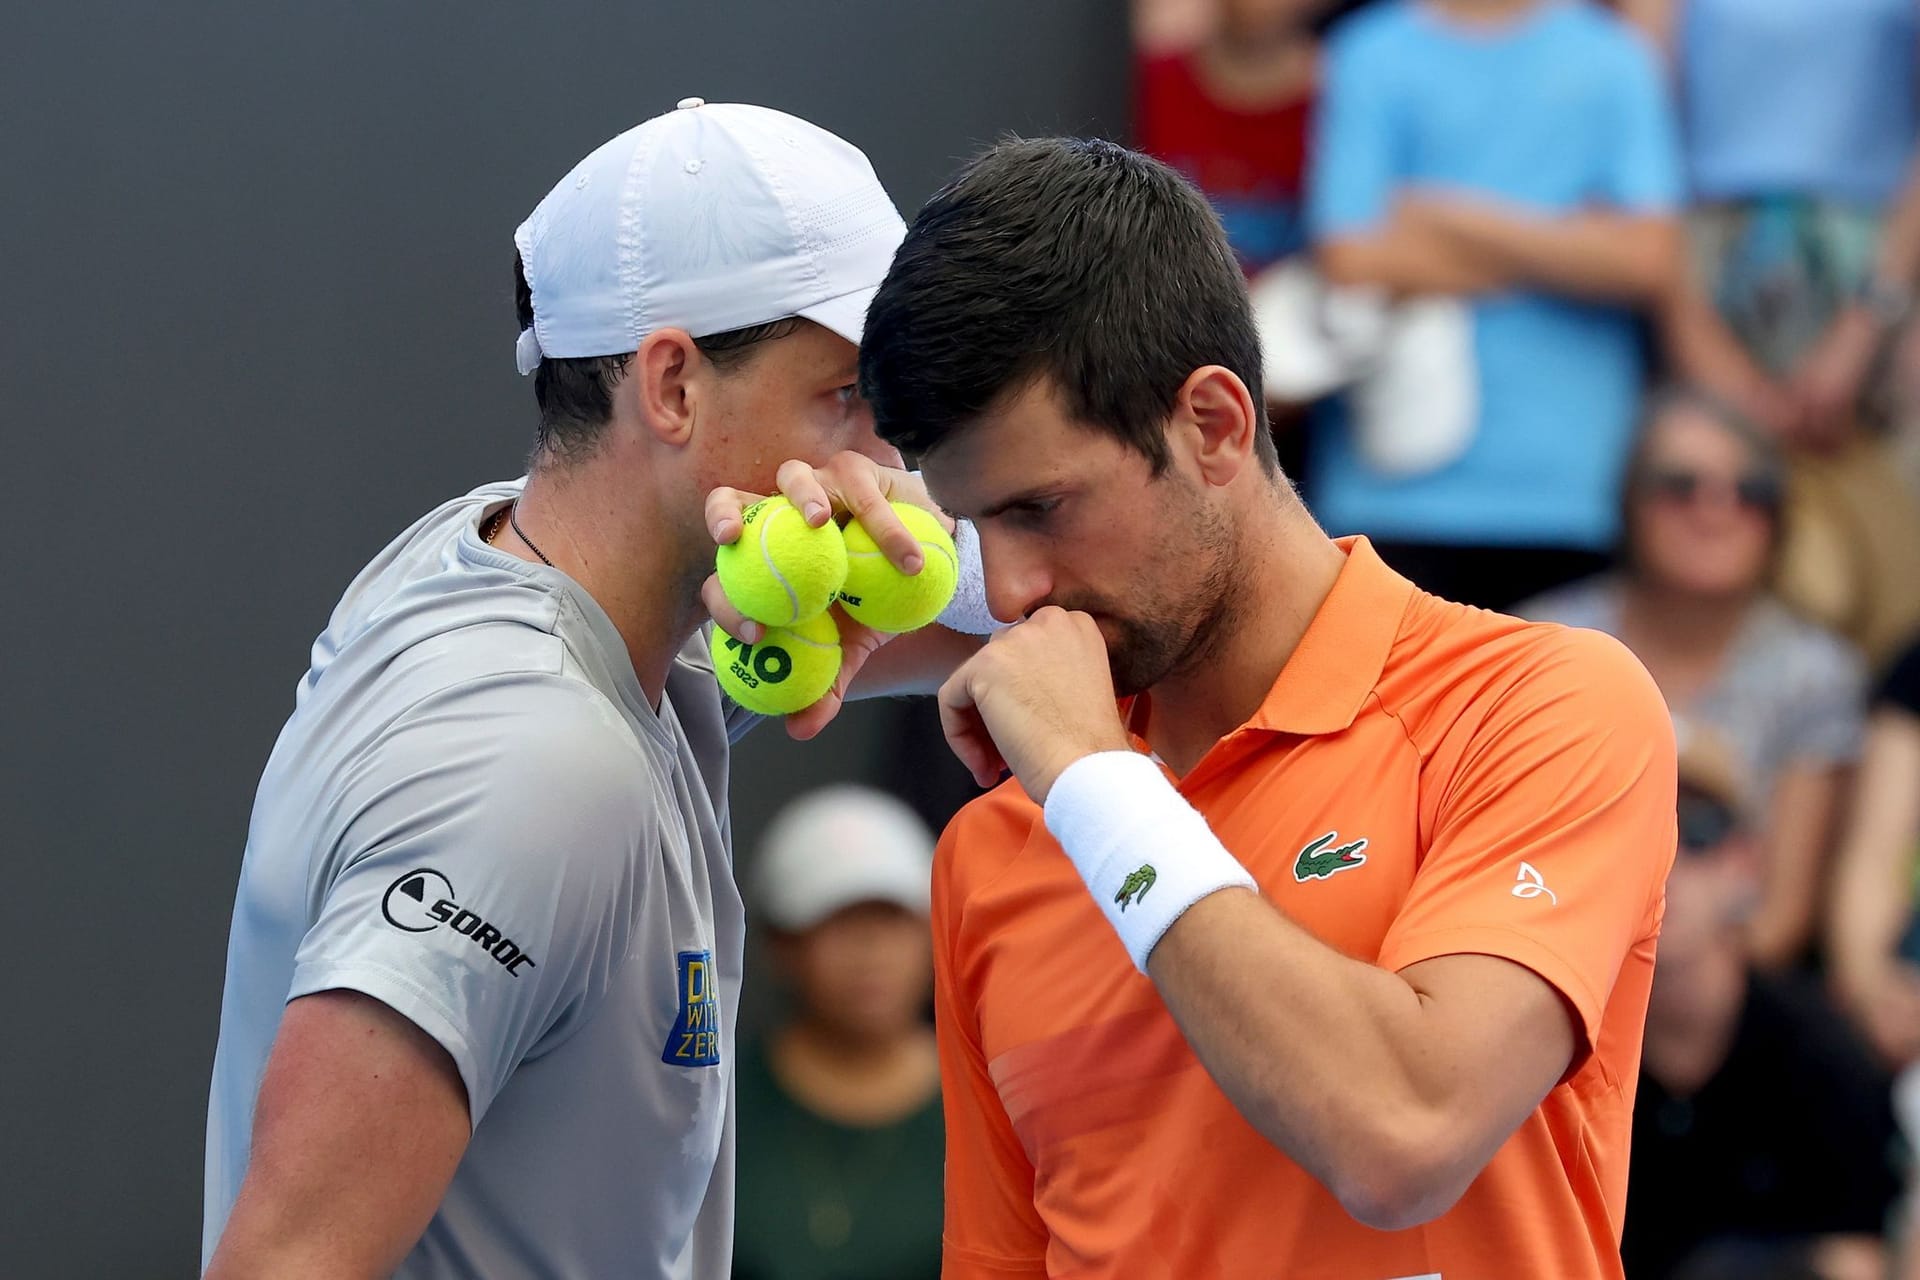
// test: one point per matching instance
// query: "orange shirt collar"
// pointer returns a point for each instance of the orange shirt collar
(1339, 660)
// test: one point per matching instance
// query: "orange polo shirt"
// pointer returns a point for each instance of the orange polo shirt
(1424, 779)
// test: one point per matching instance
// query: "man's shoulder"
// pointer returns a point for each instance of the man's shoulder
(1455, 666)
(1593, 30)
(1386, 29)
(545, 724)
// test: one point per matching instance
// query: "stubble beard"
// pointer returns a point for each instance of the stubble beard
(1186, 628)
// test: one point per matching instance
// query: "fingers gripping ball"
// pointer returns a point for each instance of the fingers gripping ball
(886, 599)
(780, 570)
(790, 669)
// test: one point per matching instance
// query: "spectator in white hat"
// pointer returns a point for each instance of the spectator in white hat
(841, 1147)
(486, 948)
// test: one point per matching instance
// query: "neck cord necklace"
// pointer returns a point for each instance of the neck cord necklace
(513, 518)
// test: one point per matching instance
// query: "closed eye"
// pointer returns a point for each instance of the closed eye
(1031, 513)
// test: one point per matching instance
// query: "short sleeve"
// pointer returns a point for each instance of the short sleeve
(1826, 719)
(1900, 687)
(484, 882)
(1554, 828)
(1354, 169)
(992, 1229)
(1644, 173)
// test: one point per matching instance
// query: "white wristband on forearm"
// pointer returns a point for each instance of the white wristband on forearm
(967, 612)
(1146, 853)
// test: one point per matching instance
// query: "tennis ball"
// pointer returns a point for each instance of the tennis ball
(791, 667)
(781, 570)
(886, 599)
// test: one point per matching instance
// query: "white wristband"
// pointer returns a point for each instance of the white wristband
(967, 612)
(1146, 853)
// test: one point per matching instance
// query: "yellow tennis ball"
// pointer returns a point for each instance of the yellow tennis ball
(886, 599)
(781, 570)
(791, 667)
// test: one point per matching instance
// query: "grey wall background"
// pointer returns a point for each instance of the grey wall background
(257, 318)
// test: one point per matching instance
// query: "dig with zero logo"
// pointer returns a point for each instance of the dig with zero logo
(695, 1038)
(421, 901)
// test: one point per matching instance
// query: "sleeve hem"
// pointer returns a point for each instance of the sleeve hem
(959, 1262)
(406, 998)
(1505, 944)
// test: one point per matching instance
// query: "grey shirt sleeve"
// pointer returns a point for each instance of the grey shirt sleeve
(483, 883)
(1825, 722)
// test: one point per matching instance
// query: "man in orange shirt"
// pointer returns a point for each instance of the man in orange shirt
(1381, 874)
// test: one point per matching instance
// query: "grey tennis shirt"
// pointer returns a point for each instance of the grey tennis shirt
(474, 816)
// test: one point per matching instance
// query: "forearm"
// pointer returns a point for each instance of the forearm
(1406, 264)
(1598, 255)
(1333, 1061)
(1898, 261)
(916, 663)
(1873, 881)
(1392, 1088)
(1703, 351)
(1800, 825)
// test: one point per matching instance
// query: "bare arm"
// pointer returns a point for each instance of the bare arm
(1831, 374)
(360, 1123)
(1899, 256)
(1407, 262)
(1599, 254)
(1800, 829)
(1873, 879)
(916, 663)
(1393, 1089)
(1705, 353)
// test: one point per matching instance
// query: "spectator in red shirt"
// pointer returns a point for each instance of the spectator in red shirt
(1233, 114)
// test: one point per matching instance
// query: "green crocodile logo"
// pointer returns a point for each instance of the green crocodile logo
(1135, 886)
(1317, 862)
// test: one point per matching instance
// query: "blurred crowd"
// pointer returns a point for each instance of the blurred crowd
(1600, 315)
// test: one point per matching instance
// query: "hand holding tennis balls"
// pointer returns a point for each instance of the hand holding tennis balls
(778, 558)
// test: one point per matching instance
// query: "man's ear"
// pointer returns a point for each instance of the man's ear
(1214, 417)
(667, 380)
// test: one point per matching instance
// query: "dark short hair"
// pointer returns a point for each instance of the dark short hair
(575, 394)
(1068, 259)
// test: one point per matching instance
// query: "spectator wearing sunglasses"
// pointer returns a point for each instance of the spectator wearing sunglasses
(1763, 1131)
(1690, 597)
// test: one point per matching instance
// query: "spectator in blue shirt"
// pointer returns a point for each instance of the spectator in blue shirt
(1521, 154)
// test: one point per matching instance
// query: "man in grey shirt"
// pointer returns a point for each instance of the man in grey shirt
(486, 948)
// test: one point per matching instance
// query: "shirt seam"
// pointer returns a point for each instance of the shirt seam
(967, 1253)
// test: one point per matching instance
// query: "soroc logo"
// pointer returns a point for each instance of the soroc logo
(695, 1038)
(421, 901)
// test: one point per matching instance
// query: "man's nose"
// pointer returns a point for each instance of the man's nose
(1017, 580)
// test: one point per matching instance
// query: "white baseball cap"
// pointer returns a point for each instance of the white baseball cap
(709, 218)
(838, 846)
